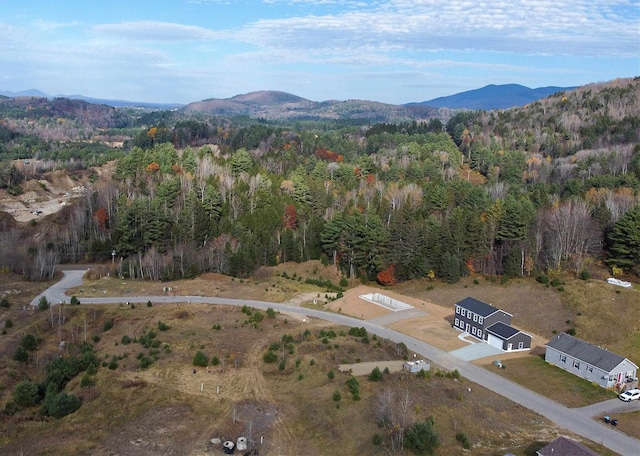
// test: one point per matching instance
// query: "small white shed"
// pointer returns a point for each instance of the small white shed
(416, 366)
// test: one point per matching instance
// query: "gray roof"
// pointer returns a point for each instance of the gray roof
(478, 307)
(584, 351)
(563, 446)
(502, 330)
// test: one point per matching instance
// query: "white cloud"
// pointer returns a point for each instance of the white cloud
(156, 31)
(536, 27)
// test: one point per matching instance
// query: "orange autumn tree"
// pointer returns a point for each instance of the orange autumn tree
(153, 167)
(387, 277)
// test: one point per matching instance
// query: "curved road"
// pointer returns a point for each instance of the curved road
(579, 421)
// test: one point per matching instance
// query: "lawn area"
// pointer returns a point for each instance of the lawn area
(534, 373)
(629, 423)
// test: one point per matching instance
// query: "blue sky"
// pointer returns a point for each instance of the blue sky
(394, 51)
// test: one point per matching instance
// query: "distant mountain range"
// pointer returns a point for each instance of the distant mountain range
(115, 103)
(270, 104)
(494, 97)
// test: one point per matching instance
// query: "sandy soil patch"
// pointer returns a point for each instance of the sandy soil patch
(366, 368)
(351, 304)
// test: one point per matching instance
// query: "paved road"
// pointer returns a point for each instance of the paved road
(579, 421)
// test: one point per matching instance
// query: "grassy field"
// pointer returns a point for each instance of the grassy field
(166, 408)
(535, 374)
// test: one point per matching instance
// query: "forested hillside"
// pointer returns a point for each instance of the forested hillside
(550, 186)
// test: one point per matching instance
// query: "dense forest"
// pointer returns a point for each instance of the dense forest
(551, 186)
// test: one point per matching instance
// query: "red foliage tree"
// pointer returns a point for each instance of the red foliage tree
(153, 167)
(326, 154)
(387, 277)
(101, 218)
(290, 217)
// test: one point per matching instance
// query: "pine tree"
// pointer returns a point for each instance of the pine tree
(624, 241)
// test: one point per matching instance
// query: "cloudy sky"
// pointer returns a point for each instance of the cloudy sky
(393, 51)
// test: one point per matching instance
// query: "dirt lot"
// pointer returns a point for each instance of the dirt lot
(434, 327)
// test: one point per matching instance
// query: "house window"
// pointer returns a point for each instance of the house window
(563, 358)
(520, 345)
(475, 317)
(458, 310)
(479, 334)
(590, 368)
(576, 364)
(457, 322)
(473, 330)
(480, 320)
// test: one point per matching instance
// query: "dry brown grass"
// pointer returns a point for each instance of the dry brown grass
(167, 413)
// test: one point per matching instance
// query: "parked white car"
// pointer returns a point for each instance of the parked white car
(631, 395)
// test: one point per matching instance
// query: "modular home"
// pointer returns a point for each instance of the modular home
(590, 362)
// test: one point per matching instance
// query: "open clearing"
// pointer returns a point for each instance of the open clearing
(169, 409)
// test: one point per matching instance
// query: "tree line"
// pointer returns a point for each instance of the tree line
(473, 195)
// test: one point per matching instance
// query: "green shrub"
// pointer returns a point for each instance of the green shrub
(215, 361)
(200, 359)
(462, 438)
(8, 323)
(585, 274)
(26, 394)
(555, 282)
(107, 325)
(163, 326)
(20, 354)
(270, 357)
(87, 381)
(74, 301)
(29, 342)
(271, 314)
(4, 303)
(542, 279)
(375, 375)
(126, 340)
(62, 404)
(344, 282)
(421, 438)
(43, 304)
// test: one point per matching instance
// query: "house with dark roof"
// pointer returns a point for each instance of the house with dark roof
(507, 338)
(590, 362)
(474, 317)
(563, 446)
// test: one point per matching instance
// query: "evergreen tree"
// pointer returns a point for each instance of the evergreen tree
(624, 241)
